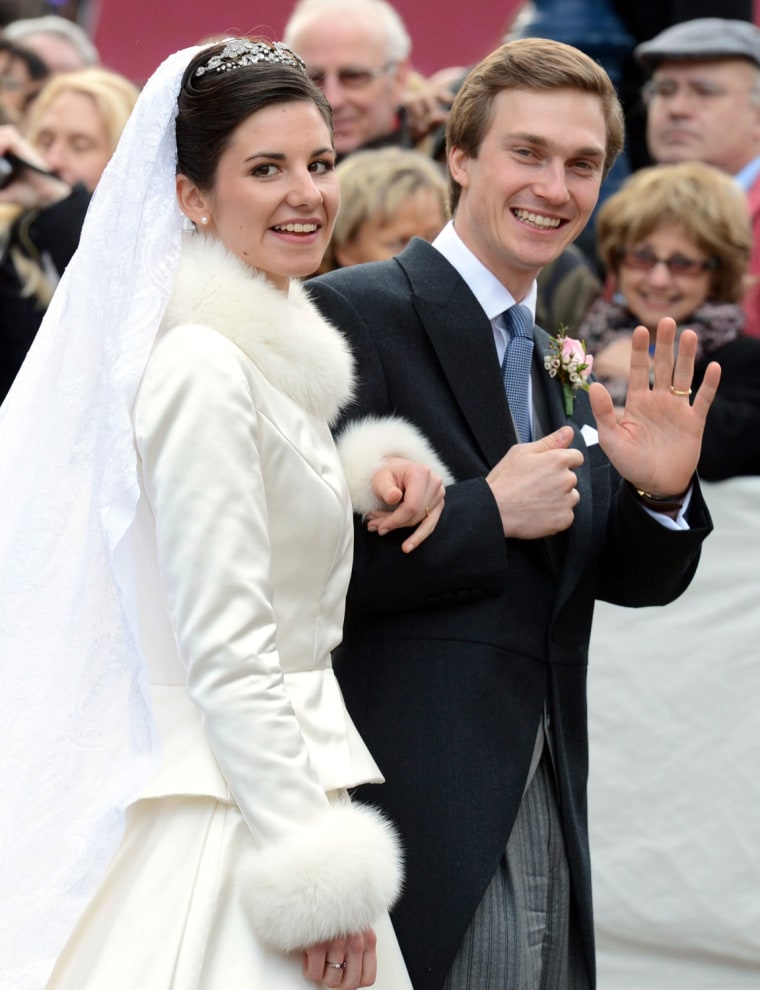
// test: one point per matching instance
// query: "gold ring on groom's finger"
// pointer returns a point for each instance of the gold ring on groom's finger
(427, 511)
(680, 391)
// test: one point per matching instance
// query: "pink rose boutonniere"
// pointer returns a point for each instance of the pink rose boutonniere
(569, 362)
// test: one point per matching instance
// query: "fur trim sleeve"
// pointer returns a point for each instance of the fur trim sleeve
(328, 880)
(363, 444)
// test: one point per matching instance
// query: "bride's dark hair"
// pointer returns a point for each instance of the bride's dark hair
(211, 105)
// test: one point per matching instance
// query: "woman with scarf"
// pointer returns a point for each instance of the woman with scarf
(675, 241)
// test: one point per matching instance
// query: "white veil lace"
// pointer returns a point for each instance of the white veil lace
(78, 735)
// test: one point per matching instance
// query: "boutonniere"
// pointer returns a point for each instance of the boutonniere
(568, 361)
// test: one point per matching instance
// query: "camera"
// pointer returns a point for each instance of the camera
(9, 169)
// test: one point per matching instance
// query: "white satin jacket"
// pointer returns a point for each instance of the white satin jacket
(243, 545)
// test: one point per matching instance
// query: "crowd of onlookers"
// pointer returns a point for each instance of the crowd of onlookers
(62, 113)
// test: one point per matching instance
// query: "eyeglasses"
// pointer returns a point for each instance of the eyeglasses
(350, 78)
(697, 90)
(644, 260)
(11, 84)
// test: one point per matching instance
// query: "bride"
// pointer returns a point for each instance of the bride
(175, 550)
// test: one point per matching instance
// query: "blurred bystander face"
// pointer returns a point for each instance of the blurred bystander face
(675, 241)
(703, 104)
(77, 120)
(357, 52)
(22, 73)
(388, 196)
(73, 129)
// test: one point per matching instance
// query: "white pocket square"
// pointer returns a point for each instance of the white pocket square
(590, 435)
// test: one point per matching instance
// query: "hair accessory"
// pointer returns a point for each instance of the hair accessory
(239, 52)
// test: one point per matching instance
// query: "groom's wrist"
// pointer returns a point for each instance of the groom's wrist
(661, 503)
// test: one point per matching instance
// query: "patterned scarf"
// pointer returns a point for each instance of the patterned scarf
(715, 324)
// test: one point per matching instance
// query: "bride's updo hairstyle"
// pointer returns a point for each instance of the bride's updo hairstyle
(225, 84)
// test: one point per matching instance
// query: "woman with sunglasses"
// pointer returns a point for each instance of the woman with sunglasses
(675, 241)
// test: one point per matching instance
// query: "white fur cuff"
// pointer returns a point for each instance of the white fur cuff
(328, 880)
(362, 446)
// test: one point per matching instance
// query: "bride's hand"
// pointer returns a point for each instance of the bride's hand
(348, 963)
(415, 496)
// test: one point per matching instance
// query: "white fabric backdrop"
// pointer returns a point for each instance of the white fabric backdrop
(674, 790)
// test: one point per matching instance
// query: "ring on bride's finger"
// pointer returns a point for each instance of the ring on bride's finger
(680, 391)
(332, 965)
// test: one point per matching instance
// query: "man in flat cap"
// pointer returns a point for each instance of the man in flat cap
(704, 105)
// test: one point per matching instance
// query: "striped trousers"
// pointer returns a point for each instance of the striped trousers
(521, 936)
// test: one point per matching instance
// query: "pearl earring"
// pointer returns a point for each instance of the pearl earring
(204, 220)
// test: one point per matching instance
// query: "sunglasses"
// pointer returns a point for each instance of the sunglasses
(350, 78)
(644, 260)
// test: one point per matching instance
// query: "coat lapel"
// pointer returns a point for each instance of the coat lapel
(462, 338)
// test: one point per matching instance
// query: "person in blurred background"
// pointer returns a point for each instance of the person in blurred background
(676, 242)
(388, 196)
(61, 43)
(642, 22)
(74, 127)
(566, 287)
(359, 53)
(22, 73)
(77, 120)
(703, 104)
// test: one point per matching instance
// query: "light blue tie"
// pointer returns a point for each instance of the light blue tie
(515, 369)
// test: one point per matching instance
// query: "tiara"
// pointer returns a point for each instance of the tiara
(240, 51)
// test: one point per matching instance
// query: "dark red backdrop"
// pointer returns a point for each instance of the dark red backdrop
(133, 37)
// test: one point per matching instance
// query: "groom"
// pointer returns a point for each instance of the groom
(464, 664)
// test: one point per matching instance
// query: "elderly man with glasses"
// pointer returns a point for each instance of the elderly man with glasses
(703, 105)
(357, 51)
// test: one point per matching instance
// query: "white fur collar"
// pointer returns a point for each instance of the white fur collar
(293, 346)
